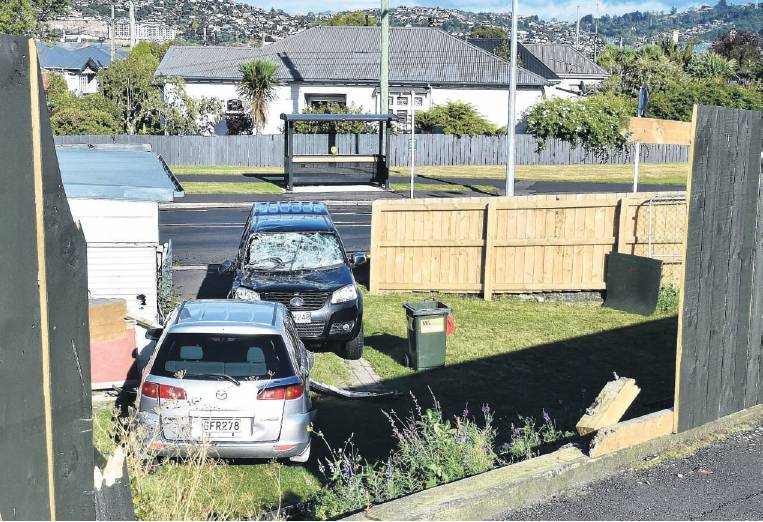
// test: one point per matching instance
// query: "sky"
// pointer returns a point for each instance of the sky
(547, 9)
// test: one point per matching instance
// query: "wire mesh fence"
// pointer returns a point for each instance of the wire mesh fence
(661, 233)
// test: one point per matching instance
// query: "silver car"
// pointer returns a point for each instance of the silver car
(232, 376)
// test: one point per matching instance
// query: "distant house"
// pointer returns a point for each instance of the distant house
(77, 63)
(569, 72)
(341, 64)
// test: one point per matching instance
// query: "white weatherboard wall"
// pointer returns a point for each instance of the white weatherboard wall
(122, 241)
(491, 103)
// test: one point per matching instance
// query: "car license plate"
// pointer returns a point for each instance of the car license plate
(302, 317)
(221, 426)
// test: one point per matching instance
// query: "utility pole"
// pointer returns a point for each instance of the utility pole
(112, 30)
(511, 135)
(596, 33)
(577, 28)
(384, 65)
(133, 36)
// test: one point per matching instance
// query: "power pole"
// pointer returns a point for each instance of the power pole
(384, 65)
(596, 33)
(511, 135)
(577, 28)
(112, 30)
(413, 139)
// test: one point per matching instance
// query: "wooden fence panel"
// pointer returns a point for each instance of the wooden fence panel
(517, 244)
(719, 347)
(431, 149)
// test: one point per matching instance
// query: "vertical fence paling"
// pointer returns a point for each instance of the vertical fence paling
(432, 149)
(518, 244)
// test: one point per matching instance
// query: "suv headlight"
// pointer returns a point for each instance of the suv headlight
(246, 293)
(344, 294)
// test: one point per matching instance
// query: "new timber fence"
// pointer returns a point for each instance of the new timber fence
(520, 244)
(431, 149)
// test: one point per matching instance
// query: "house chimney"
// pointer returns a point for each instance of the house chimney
(368, 20)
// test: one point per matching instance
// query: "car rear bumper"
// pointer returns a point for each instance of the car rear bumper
(293, 440)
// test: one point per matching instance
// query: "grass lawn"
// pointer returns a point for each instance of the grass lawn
(519, 356)
(441, 187)
(665, 174)
(243, 187)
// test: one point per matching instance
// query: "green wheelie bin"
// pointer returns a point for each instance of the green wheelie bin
(427, 327)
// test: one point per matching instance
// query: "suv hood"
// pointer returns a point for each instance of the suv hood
(325, 280)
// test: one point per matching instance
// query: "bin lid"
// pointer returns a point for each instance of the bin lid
(428, 307)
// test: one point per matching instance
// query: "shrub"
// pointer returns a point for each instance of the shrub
(461, 119)
(528, 437)
(597, 122)
(667, 300)
(429, 450)
(338, 127)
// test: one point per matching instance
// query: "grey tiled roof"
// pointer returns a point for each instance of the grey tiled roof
(561, 60)
(418, 55)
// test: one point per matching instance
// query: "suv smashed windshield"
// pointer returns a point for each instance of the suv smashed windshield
(290, 251)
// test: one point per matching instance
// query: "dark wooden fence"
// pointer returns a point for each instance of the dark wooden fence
(431, 149)
(719, 351)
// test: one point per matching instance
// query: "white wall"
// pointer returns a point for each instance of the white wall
(73, 81)
(492, 103)
(122, 240)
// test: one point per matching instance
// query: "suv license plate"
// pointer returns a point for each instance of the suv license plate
(221, 426)
(302, 317)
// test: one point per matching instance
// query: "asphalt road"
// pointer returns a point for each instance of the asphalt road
(723, 481)
(202, 236)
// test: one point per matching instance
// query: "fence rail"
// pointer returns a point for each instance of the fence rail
(519, 244)
(431, 149)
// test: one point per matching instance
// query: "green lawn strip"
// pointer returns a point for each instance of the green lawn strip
(224, 170)
(658, 174)
(330, 369)
(244, 187)
(441, 187)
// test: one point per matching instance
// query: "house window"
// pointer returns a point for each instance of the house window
(418, 101)
(401, 103)
(84, 81)
(402, 100)
(316, 101)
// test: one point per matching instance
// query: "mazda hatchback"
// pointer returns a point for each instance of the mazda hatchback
(232, 375)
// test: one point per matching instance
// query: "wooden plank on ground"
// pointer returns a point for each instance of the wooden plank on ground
(651, 130)
(610, 405)
(631, 432)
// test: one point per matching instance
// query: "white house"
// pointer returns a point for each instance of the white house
(78, 63)
(114, 192)
(341, 64)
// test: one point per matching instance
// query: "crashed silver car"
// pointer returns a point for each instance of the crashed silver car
(232, 376)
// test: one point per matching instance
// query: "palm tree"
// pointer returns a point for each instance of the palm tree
(258, 86)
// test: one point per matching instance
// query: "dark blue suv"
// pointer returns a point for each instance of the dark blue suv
(291, 253)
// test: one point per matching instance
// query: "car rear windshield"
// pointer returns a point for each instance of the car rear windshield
(291, 251)
(205, 356)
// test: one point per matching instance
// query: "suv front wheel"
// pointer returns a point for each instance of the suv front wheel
(353, 349)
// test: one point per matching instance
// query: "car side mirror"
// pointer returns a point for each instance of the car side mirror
(226, 266)
(359, 258)
(154, 333)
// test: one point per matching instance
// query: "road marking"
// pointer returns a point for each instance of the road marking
(352, 224)
(182, 268)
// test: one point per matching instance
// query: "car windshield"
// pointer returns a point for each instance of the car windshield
(290, 251)
(217, 356)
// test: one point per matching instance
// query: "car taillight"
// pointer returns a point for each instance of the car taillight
(150, 390)
(171, 392)
(153, 390)
(280, 393)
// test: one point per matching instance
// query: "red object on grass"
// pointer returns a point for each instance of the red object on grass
(450, 327)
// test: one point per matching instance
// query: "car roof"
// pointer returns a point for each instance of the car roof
(291, 216)
(227, 315)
